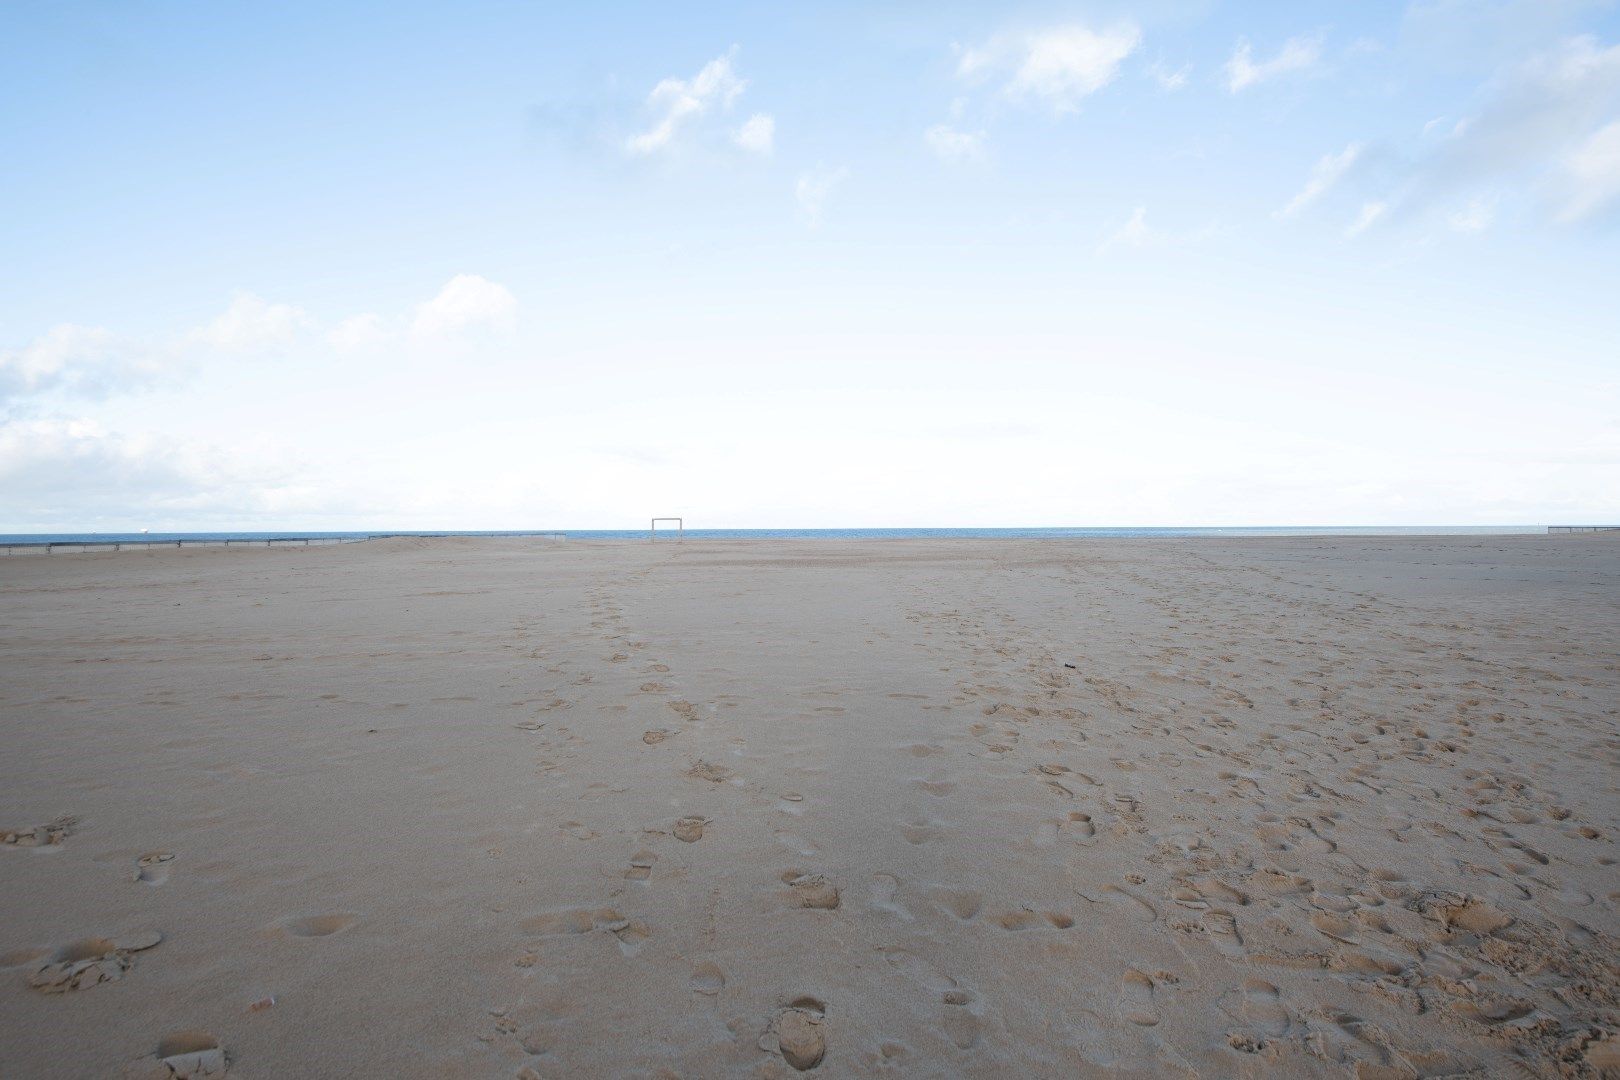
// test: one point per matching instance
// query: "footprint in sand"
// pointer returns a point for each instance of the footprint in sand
(689, 830)
(796, 844)
(1028, 919)
(641, 864)
(1349, 1041)
(918, 970)
(707, 979)
(962, 1025)
(1341, 905)
(631, 933)
(1076, 827)
(884, 888)
(811, 890)
(1602, 1054)
(49, 835)
(1263, 1008)
(153, 867)
(90, 962)
(1215, 891)
(1472, 915)
(313, 926)
(961, 1020)
(1492, 1009)
(922, 831)
(1575, 932)
(1125, 900)
(704, 770)
(1223, 932)
(798, 1033)
(1136, 999)
(962, 903)
(185, 1055)
(1280, 882)
(569, 921)
(1335, 927)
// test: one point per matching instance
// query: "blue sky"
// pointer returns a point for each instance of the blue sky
(510, 265)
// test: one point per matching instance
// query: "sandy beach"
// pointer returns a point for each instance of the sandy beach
(509, 808)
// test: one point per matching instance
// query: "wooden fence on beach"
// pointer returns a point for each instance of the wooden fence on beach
(53, 547)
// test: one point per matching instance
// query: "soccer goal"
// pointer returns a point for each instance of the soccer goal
(680, 528)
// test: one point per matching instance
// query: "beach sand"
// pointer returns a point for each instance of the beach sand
(497, 808)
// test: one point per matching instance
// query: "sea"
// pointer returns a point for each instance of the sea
(1032, 533)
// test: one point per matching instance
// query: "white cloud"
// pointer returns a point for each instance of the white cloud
(677, 102)
(466, 301)
(757, 134)
(813, 189)
(1059, 65)
(1555, 98)
(1546, 125)
(73, 473)
(47, 458)
(1371, 213)
(1473, 216)
(1169, 81)
(250, 323)
(54, 357)
(1593, 173)
(1297, 54)
(1329, 170)
(359, 333)
(1469, 35)
(91, 362)
(953, 145)
(1135, 233)
(80, 360)
(1549, 127)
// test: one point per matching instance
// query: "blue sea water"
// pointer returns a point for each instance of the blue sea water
(1040, 533)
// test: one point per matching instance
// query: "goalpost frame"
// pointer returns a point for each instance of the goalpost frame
(680, 528)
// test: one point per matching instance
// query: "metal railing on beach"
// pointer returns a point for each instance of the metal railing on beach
(52, 547)
(1582, 528)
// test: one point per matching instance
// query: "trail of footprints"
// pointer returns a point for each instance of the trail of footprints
(1245, 867)
(795, 1031)
(1388, 939)
(90, 962)
(798, 1031)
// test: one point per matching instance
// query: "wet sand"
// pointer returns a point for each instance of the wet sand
(497, 808)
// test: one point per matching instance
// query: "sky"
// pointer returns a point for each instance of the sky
(523, 265)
